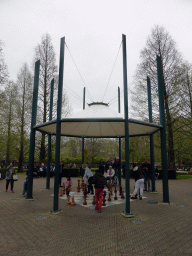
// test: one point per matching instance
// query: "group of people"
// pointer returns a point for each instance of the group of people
(114, 163)
(99, 181)
(143, 174)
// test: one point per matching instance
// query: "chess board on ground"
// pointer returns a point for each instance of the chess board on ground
(78, 198)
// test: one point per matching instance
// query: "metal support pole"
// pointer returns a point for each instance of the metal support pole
(163, 130)
(119, 105)
(127, 170)
(49, 138)
(58, 127)
(119, 110)
(83, 139)
(82, 150)
(84, 98)
(32, 135)
(119, 171)
(151, 136)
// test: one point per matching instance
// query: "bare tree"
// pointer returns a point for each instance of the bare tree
(8, 123)
(45, 52)
(24, 83)
(159, 43)
(3, 67)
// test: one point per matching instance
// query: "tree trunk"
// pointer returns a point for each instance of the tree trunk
(190, 96)
(9, 132)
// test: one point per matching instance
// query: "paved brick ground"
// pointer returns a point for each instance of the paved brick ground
(28, 227)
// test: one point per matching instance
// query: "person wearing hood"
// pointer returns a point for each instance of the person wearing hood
(139, 182)
(100, 181)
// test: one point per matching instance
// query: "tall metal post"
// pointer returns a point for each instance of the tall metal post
(163, 130)
(119, 110)
(127, 170)
(49, 138)
(151, 136)
(58, 127)
(32, 135)
(84, 98)
(83, 139)
(119, 103)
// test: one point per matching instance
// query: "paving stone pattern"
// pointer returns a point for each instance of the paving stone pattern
(28, 227)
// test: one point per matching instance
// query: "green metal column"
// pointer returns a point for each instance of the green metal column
(32, 135)
(127, 170)
(119, 110)
(58, 127)
(119, 171)
(151, 136)
(49, 138)
(83, 139)
(83, 150)
(84, 98)
(163, 130)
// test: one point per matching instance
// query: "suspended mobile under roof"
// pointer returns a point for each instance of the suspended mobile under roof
(98, 120)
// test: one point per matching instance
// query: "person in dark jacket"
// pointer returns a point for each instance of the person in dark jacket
(146, 166)
(9, 176)
(139, 182)
(107, 164)
(100, 181)
(102, 166)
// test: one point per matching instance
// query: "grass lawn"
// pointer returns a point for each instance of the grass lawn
(180, 177)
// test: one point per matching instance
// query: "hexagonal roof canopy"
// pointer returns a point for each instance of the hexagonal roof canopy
(98, 120)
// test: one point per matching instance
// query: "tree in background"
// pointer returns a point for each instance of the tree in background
(158, 43)
(3, 67)
(9, 138)
(24, 83)
(45, 52)
(183, 124)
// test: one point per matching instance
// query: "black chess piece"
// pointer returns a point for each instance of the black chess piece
(104, 194)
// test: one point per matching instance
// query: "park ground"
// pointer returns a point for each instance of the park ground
(29, 228)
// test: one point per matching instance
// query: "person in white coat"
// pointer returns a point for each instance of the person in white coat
(89, 175)
(139, 182)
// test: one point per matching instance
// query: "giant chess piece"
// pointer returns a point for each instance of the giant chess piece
(120, 190)
(115, 198)
(104, 200)
(73, 202)
(109, 186)
(93, 200)
(63, 188)
(111, 189)
(109, 198)
(122, 195)
(78, 187)
(85, 190)
(85, 202)
(82, 184)
(68, 202)
(61, 193)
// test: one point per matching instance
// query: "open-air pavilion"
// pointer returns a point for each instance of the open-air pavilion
(97, 120)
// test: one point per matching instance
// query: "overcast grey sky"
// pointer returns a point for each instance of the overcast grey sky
(93, 32)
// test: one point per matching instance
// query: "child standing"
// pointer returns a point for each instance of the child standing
(68, 183)
(9, 177)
